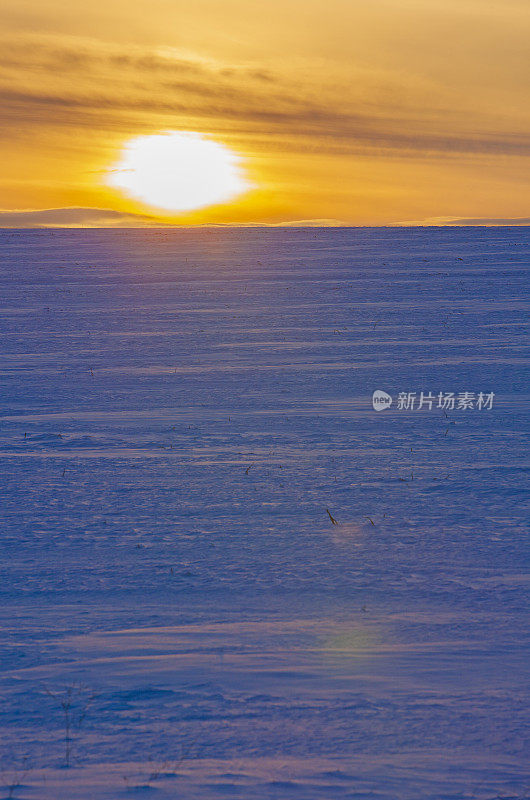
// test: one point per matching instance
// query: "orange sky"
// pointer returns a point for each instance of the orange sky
(346, 111)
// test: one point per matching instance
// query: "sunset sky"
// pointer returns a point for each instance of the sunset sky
(341, 112)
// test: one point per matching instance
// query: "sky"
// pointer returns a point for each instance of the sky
(355, 112)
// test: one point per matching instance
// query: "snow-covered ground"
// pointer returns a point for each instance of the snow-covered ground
(180, 411)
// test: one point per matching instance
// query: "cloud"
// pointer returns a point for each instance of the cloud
(109, 218)
(510, 221)
(342, 131)
(296, 223)
(82, 83)
(76, 218)
(465, 221)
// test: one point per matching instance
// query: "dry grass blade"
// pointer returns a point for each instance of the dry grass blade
(333, 520)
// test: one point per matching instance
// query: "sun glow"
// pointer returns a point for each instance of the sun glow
(178, 171)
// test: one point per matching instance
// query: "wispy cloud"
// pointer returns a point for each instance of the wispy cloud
(76, 218)
(466, 221)
(109, 218)
(78, 80)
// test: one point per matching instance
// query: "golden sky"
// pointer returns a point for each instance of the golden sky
(350, 111)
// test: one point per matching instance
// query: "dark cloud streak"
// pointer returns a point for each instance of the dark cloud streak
(89, 85)
(75, 217)
(347, 131)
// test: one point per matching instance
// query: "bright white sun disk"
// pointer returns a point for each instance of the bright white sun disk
(178, 171)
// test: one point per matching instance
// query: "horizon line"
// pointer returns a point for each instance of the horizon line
(85, 218)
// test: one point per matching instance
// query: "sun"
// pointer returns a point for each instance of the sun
(178, 171)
